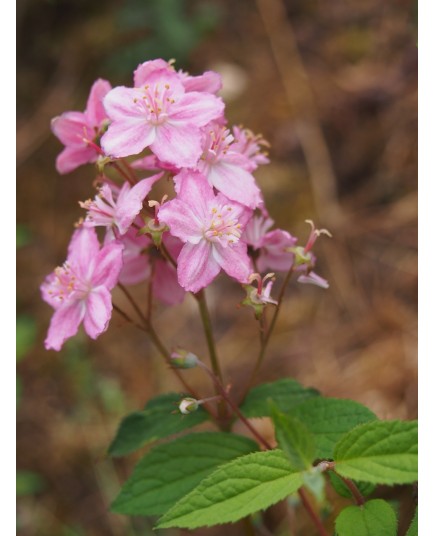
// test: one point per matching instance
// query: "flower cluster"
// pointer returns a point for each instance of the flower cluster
(170, 126)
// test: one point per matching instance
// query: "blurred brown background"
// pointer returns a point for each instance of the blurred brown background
(332, 87)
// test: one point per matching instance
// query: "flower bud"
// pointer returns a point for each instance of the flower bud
(188, 405)
(183, 359)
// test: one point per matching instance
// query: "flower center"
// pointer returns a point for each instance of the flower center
(66, 284)
(155, 102)
(223, 227)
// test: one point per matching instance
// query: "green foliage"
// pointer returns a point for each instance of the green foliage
(170, 471)
(156, 421)
(286, 395)
(235, 490)
(412, 529)
(380, 452)
(328, 419)
(365, 488)
(294, 439)
(374, 518)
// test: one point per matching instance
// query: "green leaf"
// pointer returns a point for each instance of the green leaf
(365, 488)
(172, 470)
(374, 518)
(286, 394)
(235, 490)
(156, 421)
(381, 452)
(294, 439)
(329, 419)
(412, 529)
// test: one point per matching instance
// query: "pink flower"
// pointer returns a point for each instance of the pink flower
(210, 226)
(80, 289)
(161, 115)
(271, 250)
(118, 208)
(79, 131)
(226, 169)
(249, 145)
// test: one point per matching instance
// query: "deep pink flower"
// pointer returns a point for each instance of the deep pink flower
(79, 131)
(114, 207)
(160, 115)
(210, 226)
(80, 289)
(270, 249)
(226, 169)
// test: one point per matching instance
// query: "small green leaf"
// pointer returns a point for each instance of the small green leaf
(235, 490)
(365, 488)
(170, 471)
(374, 518)
(412, 529)
(294, 439)
(156, 421)
(286, 394)
(329, 419)
(381, 452)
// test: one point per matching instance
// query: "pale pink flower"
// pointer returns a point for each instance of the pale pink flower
(118, 208)
(270, 249)
(79, 291)
(262, 294)
(160, 115)
(225, 169)
(210, 226)
(249, 145)
(80, 131)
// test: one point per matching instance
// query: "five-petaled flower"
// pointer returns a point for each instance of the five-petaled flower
(210, 226)
(79, 291)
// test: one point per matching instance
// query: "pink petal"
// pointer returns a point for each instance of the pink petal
(193, 189)
(98, 311)
(179, 145)
(71, 127)
(64, 324)
(208, 82)
(144, 70)
(234, 260)
(127, 137)
(198, 109)
(196, 266)
(182, 220)
(166, 286)
(108, 265)
(136, 269)
(73, 157)
(314, 279)
(95, 112)
(235, 183)
(273, 251)
(83, 250)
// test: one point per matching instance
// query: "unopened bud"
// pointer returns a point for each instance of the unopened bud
(183, 359)
(188, 405)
